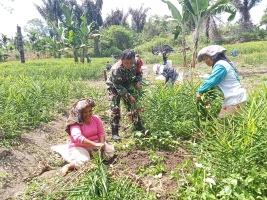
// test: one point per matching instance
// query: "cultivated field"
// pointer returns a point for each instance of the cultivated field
(189, 153)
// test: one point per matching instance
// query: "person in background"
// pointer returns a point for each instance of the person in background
(224, 75)
(164, 56)
(108, 66)
(124, 78)
(114, 57)
(88, 58)
(139, 60)
(170, 74)
(86, 133)
(234, 53)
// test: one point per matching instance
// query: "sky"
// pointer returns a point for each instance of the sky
(24, 10)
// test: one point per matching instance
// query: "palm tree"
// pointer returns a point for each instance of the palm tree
(244, 6)
(51, 11)
(116, 17)
(138, 18)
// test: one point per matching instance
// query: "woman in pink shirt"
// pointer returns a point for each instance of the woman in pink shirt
(86, 134)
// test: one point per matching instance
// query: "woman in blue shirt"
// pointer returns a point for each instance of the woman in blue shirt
(224, 75)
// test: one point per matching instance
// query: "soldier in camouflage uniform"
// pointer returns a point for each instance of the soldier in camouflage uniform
(124, 79)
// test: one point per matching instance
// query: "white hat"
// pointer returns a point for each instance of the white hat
(210, 51)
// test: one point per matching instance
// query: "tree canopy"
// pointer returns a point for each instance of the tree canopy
(243, 7)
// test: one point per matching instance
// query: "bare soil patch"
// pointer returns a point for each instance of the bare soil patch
(29, 157)
(129, 163)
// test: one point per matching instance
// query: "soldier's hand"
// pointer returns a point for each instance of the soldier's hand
(138, 85)
(132, 99)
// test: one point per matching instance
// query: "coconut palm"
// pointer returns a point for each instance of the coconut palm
(50, 11)
(243, 7)
(116, 17)
(91, 9)
(138, 18)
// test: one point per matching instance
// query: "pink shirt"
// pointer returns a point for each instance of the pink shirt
(91, 131)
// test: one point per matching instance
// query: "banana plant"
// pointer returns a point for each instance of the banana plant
(74, 35)
(182, 19)
(200, 10)
(86, 33)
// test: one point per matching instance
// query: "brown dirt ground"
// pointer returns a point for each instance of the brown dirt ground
(31, 156)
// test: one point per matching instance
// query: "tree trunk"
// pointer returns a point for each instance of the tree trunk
(207, 31)
(58, 46)
(75, 54)
(246, 24)
(184, 51)
(20, 45)
(194, 55)
(96, 47)
(82, 55)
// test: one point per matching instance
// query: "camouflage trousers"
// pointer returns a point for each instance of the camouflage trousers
(114, 99)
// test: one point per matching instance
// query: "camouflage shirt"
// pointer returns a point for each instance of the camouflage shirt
(121, 78)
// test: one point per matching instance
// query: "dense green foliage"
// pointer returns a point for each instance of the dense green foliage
(120, 37)
(231, 162)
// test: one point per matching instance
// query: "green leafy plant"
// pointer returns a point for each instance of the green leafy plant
(156, 168)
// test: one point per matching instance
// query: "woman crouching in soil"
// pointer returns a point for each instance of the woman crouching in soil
(86, 134)
(224, 75)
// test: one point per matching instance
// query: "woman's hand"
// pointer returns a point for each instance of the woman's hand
(99, 145)
(138, 85)
(198, 96)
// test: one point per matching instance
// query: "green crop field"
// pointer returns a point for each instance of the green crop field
(227, 157)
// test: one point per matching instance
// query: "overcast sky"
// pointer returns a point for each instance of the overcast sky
(24, 11)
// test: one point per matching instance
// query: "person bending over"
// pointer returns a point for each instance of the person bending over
(224, 75)
(124, 76)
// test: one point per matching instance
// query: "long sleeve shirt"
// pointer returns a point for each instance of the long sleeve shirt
(91, 131)
(218, 74)
(120, 77)
(224, 75)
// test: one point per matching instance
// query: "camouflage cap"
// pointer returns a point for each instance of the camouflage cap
(210, 51)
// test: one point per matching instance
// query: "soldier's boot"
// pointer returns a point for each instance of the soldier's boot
(139, 126)
(115, 134)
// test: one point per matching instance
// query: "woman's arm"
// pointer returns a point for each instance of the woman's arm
(218, 74)
(77, 136)
(88, 142)
(102, 139)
